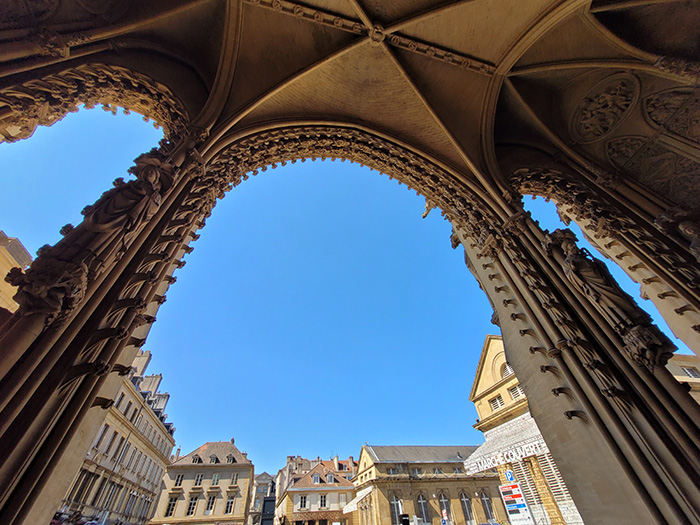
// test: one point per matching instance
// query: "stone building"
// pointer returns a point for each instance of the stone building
(686, 369)
(13, 254)
(513, 441)
(263, 487)
(210, 485)
(316, 496)
(119, 480)
(474, 105)
(428, 483)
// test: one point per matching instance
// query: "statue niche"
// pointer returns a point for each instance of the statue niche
(644, 342)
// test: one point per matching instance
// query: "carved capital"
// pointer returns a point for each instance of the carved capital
(647, 346)
(50, 286)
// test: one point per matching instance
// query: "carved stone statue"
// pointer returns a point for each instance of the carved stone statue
(117, 216)
(644, 342)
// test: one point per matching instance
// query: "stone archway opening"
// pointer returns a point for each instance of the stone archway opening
(436, 372)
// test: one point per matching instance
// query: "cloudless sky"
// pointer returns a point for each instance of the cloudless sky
(318, 310)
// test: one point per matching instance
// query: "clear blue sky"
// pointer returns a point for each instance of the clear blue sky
(318, 311)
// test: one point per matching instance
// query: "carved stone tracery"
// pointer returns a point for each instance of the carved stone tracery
(45, 101)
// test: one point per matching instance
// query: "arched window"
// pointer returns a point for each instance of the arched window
(467, 508)
(396, 509)
(488, 507)
(506, 370)
(423, 509)
(445, 505)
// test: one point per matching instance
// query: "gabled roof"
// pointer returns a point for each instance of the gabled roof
(484, 358)
(220, 449)
(419, 454)
(306, 480)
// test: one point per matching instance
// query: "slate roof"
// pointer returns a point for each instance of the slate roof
(220, 449)
(420, 454)
(306, 481)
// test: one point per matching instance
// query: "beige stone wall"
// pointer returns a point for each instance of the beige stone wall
(239, 488)
(676, 365)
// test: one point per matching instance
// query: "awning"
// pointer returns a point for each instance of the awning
(352, 506)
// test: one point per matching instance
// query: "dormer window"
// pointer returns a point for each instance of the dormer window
(230, 459)
(330, 478)
(213, 459)
(316, 479)
(196, 459)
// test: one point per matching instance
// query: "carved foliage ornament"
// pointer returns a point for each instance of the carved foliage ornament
(257, 152)
(663, 171)
(677, 110)
(604, 108)
(42, 102)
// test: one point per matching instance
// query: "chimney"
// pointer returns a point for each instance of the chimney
(177, 454)
(351, 464)
(232, 441)
(336, 465)
(245, 455)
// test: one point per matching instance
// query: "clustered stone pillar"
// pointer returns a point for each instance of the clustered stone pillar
(591, 364)
(83, 303)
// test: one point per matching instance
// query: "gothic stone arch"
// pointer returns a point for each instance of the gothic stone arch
(431, 93)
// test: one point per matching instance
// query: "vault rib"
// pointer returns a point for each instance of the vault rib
(581, 64)
(420, 17)
(362, 14)
(252, 106)
(453, 140)
(626, 4)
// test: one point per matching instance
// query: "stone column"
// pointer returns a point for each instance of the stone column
(588, 385)
(90, 299)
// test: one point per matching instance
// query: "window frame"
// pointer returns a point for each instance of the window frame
(191, 509)
(198, 478)
(170, 507)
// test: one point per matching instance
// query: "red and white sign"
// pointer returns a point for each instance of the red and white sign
(515, 504)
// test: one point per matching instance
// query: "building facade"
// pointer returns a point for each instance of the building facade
(13, 254)
(119, 480)
(427, 483)
(263, 487)
(513, 441)
(686, 369)
(317, 496)
(210, 485)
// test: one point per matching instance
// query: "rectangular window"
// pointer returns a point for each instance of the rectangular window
(324, 501)
(192, 505)
(234, 478)
(416, 471)
(178, 480)
(198, 480)
(458, 470)
(124, 454)
(128, 407)
(229, 504)
(210, 505)
(170, 509)
(392, 471)
(691, 371)
(302, 501)
(119, 447)
(496, 402)
(516, 391)
(342, 499)
(215, 480)
(437, 470)
(119, 400)
(105, 428)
